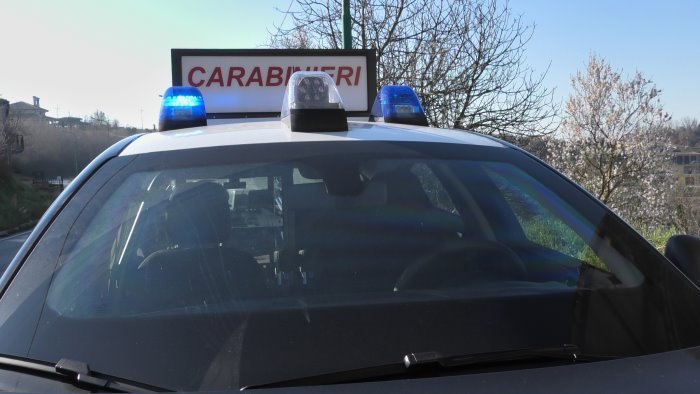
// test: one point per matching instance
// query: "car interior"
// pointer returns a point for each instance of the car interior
(375, 227)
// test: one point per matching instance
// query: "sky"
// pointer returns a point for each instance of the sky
(79, 56)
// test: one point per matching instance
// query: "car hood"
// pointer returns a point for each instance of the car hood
(669, 372)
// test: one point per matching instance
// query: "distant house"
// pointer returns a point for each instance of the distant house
(686, 169)
(69, 121)
(687, 166)
(22, 110)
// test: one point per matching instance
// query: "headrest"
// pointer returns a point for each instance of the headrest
(199, 215)
(403, 188)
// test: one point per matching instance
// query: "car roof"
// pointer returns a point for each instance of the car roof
(262, 132)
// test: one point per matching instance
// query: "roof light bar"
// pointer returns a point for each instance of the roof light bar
(398, 104)
(182, 107)
(312, 103)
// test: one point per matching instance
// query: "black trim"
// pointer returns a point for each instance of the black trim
(242, 115)
(176, 55)
(57, 206)
(247, 115)
(412, 120)
(317, 120)
(170, 124)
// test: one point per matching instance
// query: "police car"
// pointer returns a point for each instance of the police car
(315, 253)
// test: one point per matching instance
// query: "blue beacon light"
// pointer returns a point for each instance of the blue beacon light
(398, 104)
(182, 107)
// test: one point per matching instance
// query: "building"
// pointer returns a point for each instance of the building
(686, 170)
(687, 167)
(69, 121)
(33, 111)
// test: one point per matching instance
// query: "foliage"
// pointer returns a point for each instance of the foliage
(5, 137)
(59, 151)
(686, 134)
(657, 236)
(20, 203)
(98, 118)
(615, 143)
(465, 58)
(10, 128)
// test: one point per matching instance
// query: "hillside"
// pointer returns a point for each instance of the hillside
(20, 204)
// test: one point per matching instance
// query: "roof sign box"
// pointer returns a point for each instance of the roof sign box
(239, 83)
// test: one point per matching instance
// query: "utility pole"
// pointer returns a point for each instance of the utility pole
(347, 25)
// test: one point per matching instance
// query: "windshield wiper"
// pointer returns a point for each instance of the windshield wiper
(434, 364)
(76, 373)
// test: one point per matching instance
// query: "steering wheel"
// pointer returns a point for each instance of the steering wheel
(456, 264)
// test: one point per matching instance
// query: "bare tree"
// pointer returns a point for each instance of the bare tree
(686, 133)
(616, 143)
(98, 118)
(465, 58)
(4, 140)
(10, 137)
(4, 113)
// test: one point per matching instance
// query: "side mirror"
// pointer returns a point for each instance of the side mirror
(684, 253)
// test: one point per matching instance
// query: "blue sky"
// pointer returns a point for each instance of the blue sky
(81, 55)
(659, 38)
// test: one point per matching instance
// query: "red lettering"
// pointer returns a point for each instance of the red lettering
(255, 77)
(325, 69)
(275, 76)
(190, 76)
(276, 73)
(235, 73)
(290, 71)
(216, 77)
(289, 74)
(344, 72)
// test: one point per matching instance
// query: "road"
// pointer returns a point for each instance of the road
(9, 247)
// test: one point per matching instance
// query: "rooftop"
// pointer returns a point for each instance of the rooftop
(257, 132)
(22, 106)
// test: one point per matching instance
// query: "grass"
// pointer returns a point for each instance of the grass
(556, 235)
(20, 203)
(657, 236)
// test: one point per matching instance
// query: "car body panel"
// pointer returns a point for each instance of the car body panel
(669, 372)
(274, 131)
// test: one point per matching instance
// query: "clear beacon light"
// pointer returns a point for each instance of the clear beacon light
(312, 103)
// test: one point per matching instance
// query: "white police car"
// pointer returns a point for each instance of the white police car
(355, 256)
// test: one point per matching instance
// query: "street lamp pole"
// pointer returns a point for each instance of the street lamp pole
(347, 25)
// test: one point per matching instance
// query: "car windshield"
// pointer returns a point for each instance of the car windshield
(226, 267)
